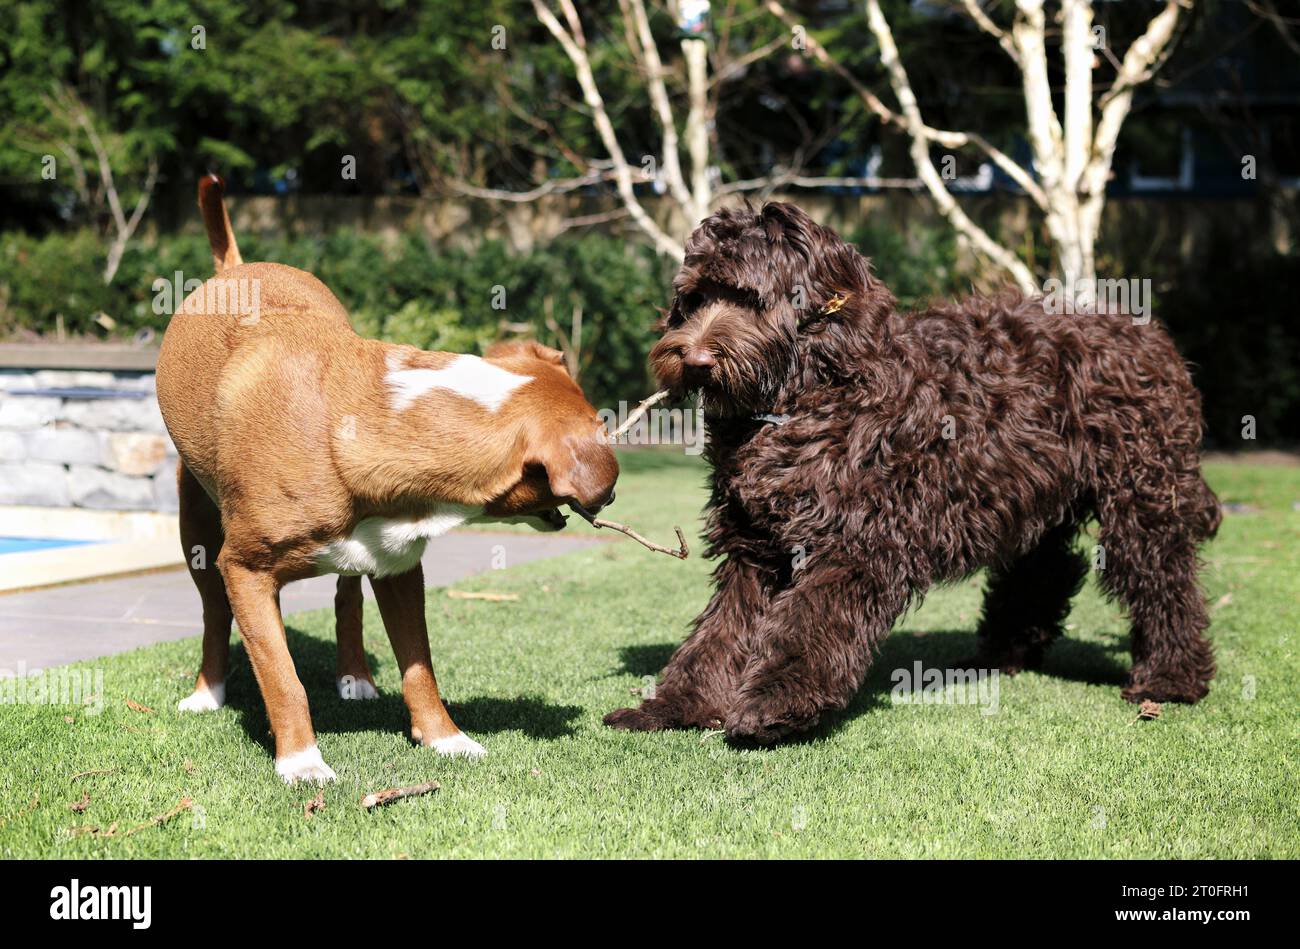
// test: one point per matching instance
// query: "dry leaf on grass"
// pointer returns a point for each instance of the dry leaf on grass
(388, 795)
(1148, 710)
(315, 804)
(1221, 601)
(80, 806)
(490, 597)
(137, 707)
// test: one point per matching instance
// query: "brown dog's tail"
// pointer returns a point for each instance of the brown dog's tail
(225, 252)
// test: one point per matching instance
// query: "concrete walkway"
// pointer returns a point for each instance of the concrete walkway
(58, 625)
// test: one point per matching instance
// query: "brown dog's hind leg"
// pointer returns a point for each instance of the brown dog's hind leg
(253, 596)
(201, 539)
(354, 679)
(1026, 603)
(401, 603)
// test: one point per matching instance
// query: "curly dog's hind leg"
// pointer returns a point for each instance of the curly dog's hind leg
(1027, 601)
(1151, 567)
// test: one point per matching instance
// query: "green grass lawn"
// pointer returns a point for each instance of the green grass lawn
(1060, 770)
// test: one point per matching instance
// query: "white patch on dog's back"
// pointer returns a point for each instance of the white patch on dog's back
(381, 547)
(467, 376)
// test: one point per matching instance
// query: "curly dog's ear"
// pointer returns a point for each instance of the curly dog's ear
(830, 267)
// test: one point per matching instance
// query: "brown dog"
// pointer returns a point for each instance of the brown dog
(306, 449)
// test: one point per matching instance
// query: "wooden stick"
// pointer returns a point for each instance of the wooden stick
(92, 830)
(184, 805)
(681, 553)
(86, 774)
(491, 597)
(635, 415)
(388, 795)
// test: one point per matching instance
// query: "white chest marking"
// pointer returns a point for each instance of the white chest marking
(381, 547)
(467, 376)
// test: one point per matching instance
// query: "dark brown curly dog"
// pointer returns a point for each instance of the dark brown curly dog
(861, 454)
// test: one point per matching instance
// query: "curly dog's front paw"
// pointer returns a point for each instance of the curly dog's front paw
(666, 711)
(1165, 688)
(763, 721)
(636, 720)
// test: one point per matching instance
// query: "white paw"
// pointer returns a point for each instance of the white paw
(458, 744)
(305, 765)
(204, 700)
(350, 687)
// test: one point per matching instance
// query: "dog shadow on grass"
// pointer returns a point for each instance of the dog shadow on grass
(1073, 660)
(314, 660)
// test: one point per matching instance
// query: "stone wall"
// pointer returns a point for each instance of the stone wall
(93, 439)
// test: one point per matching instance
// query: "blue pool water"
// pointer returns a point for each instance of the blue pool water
(22, 545)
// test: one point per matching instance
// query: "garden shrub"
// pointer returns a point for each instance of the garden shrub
(1231, 321)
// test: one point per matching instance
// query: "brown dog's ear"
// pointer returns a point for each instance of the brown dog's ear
(583, 469)
(525, 347)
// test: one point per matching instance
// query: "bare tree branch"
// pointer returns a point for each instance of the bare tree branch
(1266, 10)
(548, 187)
(1076, 42)
(125, 233)
(696, 53)
(1135, 68)
(783, 180)
(978, 239)
(985, 23)
(738, 64)
(73, 114)
(591, 220)
(574, 45)
(1028, 33)
(1073, 162)
(943, 137)
(634, 10)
